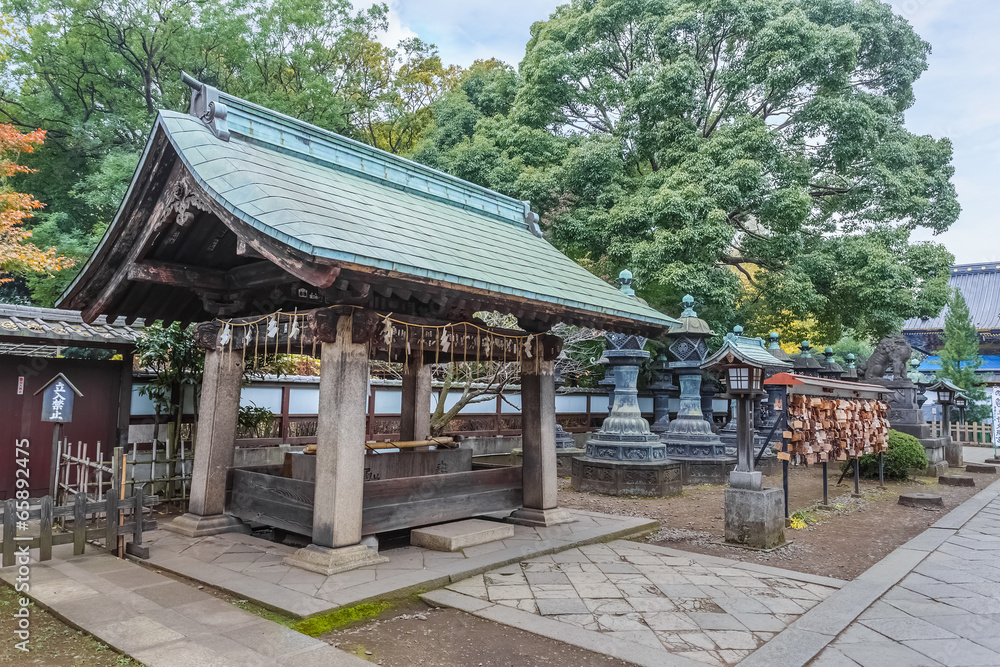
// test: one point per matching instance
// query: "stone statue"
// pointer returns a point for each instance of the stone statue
(892, 352)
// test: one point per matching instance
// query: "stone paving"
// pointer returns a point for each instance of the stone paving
(253, 567)
(712, 610)
(162, 622)
(944, 612)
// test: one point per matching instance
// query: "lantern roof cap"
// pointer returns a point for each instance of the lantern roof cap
(945, 383)
(749, 351)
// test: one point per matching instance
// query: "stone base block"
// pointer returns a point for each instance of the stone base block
(921, 500)
(993, 460)
(564, 461)
(755, 518)
(713, 470)
(912, 424)
(935, 448)
(624, 478)
(527, 516)
(953, 453)
(932, 470)
(987, 468)
(195, 525)
(957, 480)
(326, 561)
(458, 535)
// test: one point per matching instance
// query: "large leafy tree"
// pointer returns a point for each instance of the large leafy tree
(93, 74)
(960, 356)
(751, 152)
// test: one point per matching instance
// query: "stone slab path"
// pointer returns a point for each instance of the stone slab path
(637, 601)
(165, 623)
(253, 568)
(933, 601)
(946, 611)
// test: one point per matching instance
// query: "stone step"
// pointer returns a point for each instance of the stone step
(981, 468)
(460, 534)
(920, 500)
(956, 480)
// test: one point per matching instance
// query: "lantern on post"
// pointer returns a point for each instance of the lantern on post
(944, 392)
(961, 402)
(754, 516)
(741, 363)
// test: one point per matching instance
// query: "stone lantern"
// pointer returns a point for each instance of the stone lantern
(831, 370)
(661, 387)
(805, 364)
(564, 441)
(944, 392)
(851, 372)
(689, 437)
(624, 457)
(754, 515)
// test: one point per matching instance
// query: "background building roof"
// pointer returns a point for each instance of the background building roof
(44, 332)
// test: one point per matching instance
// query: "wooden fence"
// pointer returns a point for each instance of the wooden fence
(86, 519)
(974, 434)
(167, 477)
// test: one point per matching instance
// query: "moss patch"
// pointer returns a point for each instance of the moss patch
(317, 625)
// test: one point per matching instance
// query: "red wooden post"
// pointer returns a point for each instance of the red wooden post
(286, 393)
(499, 409)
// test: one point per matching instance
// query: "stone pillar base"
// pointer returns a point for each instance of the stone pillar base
(932, 470)
(625, 478)
(953, 453)
(755, 518)
(527, 516)
(707, 470)
(195, 525)
(327, 561)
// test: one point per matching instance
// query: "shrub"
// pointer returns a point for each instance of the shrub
(905, 453)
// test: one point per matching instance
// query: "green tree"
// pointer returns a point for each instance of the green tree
(750, 153)
(94, 73)
(960, 356)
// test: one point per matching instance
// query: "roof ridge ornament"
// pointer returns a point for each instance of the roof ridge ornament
(531, 220)
(206, 107)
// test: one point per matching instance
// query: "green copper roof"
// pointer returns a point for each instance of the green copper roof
(334, 198)
(747, 350)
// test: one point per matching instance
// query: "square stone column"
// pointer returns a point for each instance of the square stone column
(340, 458)
(214, 447)
(538, 443)
(415, 412)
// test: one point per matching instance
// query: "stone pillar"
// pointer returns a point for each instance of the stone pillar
(538, 444)
(415, 413)
(214, 447)
(340, 458)
(952, 448)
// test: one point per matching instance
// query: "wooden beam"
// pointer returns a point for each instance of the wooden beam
(257, 274)
(177, 275)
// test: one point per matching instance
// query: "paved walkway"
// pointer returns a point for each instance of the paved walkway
(634, 601)
(946, 611)
(933, 601)
(164, 623)
(252, 567)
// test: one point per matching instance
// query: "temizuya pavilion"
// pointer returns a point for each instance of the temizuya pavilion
(279, 236)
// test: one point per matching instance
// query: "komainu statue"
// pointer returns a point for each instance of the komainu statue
(892, 352)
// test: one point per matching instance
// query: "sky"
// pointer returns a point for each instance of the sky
(957, 97)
